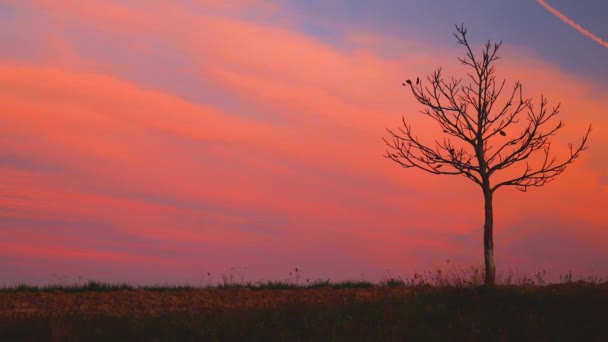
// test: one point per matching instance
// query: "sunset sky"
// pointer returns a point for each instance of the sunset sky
(153, 141)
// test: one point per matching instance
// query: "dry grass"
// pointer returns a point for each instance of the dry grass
(444, 304)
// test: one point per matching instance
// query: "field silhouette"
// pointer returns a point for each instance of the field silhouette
(429, 306)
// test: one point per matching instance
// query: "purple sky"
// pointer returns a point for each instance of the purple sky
(156, 141)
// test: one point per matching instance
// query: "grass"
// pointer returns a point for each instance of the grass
(443, 307)
(95, 286)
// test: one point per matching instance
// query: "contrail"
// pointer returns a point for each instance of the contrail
(574, 25)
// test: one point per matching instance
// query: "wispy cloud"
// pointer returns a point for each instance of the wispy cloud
(573, 24)
(211, 140)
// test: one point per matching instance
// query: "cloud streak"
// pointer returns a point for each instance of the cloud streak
(573, 24)
(207, 141)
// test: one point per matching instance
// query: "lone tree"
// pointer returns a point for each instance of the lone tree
(482, 136)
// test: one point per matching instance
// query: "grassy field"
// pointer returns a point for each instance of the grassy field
(281, 311)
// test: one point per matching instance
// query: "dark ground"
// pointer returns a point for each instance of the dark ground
(574, 311)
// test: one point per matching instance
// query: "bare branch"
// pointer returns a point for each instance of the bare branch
(548, 170)
(466, 112)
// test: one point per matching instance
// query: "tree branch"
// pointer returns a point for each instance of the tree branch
(469, 113)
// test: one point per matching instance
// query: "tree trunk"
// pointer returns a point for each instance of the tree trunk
(488, 238)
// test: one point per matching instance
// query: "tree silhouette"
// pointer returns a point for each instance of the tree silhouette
(471, 115)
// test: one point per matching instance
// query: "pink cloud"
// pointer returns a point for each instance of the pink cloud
(89, 143)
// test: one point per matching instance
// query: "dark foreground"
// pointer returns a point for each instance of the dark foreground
(576, 311)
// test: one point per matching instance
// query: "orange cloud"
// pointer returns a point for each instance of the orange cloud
(57, 251)
(291, 165)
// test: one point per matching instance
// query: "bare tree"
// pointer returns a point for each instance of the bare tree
(475, 142)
